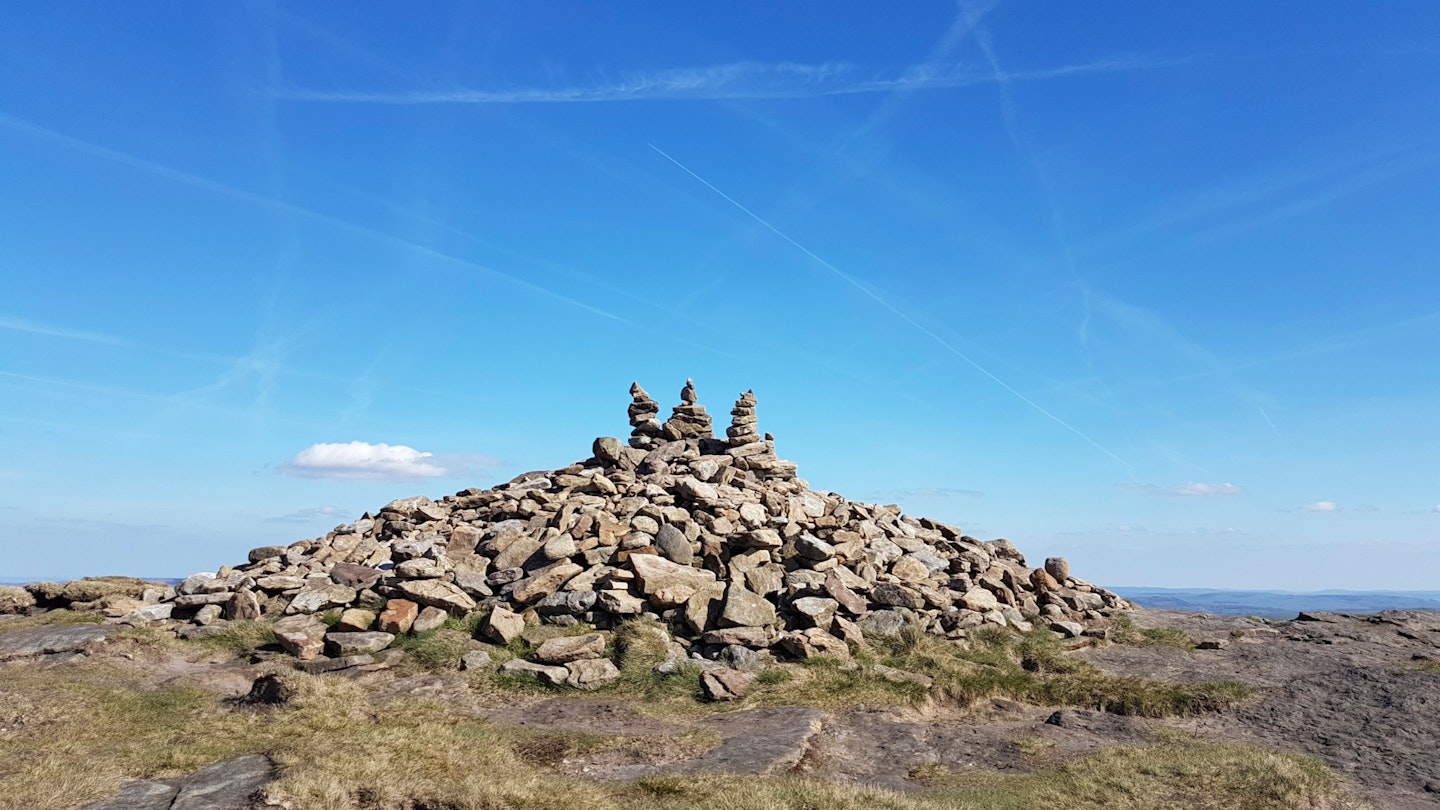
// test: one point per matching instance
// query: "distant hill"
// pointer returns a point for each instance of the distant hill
(1278, 604)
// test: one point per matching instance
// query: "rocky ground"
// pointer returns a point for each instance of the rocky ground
(1360, 693)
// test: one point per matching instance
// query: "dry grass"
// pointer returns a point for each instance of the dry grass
(1124, 631)
(70, 734)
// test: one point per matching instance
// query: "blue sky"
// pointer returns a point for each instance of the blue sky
(1153, 286)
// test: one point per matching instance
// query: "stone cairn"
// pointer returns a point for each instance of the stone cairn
(716, 538)
(645, 429)
(688, 420)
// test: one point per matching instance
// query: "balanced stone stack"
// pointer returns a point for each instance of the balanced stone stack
(645, 428)
(717, 538)
(688, 420)
(744, 425)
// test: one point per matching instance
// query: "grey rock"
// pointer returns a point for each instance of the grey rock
(357, 643)
(475, 659)
(743, 608)
(883, 623)
(227, 785)
(673, 545)
(591, 673)
(50, 640)
(555, 676)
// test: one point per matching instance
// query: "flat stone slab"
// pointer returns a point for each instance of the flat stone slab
(49, 640)
(229, 784)
(758, 741)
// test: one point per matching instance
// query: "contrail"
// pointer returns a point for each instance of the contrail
(196, 181)
(895, 311)
(1267, 419)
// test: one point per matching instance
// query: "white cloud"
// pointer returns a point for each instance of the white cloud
(1436, 509)
(1189, 489)
(312, 515)
(1321, 506)
(363, 461)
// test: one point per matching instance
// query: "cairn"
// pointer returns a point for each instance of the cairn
(716, 539)
(689, 419)
(743, 423)
(645, 428)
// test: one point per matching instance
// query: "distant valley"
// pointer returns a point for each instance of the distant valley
(1278, 604)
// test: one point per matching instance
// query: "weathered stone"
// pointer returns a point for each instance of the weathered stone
(1042, 581)
(265, 552)
(619, 602)
(319, 666)
(243, 606)
(504, 625)
(475, 659)
(673, 545)
(355, 576)
(883, 623)
(608, 450)
(354, 620)
(744, 608)
(727, 684)
(1058, 568)
(314, 600)
(398, 616)
(757, 637)
(565, 649)
(208, 614)
(302, 635)
(849, 600)
(517, 553)
(437, 593)
(279, 583)
(545, 581)
(342, 644)
(555, 676)
(910, 569)
(654, 572)
(429, 619)
(591, 673)
(813, 548)
(897, 596)
(979, 600)
(817, 609)
(1067, 629)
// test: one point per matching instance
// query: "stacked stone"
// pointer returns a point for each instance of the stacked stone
(688, 420)
(743, 422)
(645, 428)
(719, 541)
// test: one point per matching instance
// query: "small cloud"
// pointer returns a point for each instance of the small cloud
(1436, 509)
(1364, 507)
(1321, 506)
(933, 492)
(312, 515)
(1186, 490)
(362, 461)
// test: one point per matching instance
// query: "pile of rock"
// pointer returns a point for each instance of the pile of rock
(717, 538)
(688, 420)
(645, 429)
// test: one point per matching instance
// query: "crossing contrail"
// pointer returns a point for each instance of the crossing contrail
(942, 342)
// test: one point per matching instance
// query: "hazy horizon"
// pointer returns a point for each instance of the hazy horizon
(1153, 287)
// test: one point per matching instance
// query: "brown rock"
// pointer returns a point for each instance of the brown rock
(399, 616)
(727, 684)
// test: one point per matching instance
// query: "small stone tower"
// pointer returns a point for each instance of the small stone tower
(743, 423)
(689, 419)
(645, 429)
